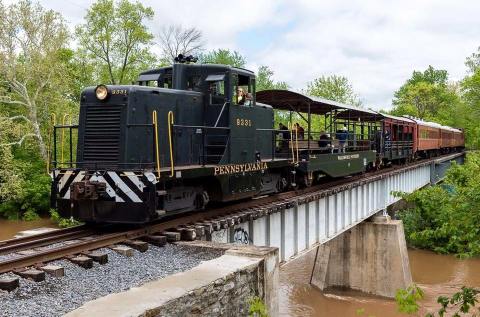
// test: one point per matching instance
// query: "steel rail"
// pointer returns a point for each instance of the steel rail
(39, 240)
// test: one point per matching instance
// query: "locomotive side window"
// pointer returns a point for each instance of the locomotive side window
(242, 90)
(194, 83)
(216, 88)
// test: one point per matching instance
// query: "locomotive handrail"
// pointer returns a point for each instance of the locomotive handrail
(65, 116)
(170, 125)
(221, 112)
(157, 155)
(62, 143)
(53, 120)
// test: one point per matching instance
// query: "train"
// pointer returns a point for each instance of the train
(189, 135)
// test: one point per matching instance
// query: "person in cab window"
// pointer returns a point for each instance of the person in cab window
(240, 96)
(248, 99)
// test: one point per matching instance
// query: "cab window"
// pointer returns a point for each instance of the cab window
(242, 90)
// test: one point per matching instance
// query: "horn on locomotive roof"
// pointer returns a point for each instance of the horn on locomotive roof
(182, 59)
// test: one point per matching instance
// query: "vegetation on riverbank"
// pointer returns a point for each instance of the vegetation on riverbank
(460, 303)
(445, 218)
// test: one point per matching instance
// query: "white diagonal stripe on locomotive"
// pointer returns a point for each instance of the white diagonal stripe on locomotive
(80, 176)
(124, 188)
(135, 183)
(109, 189)
(66, 181)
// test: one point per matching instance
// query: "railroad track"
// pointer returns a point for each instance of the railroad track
(82, 240)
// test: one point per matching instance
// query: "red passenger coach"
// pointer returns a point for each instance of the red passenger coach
(428, 138)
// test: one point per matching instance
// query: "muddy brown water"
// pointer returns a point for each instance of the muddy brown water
(9, 228)
(435, 274)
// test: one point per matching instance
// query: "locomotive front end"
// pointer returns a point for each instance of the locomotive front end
(104, 185)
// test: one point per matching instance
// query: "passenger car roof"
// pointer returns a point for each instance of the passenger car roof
(295, 101)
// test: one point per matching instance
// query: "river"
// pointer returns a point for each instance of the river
(8, 228)
(435, 274)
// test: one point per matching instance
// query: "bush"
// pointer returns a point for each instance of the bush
(446, 218)
(24, 186)
(63, 222)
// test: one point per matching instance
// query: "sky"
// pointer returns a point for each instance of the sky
(375, 44)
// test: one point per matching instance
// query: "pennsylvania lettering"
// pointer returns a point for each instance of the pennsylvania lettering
(240, 168)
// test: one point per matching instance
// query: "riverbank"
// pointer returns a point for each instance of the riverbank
(8, 228)
(435, 274)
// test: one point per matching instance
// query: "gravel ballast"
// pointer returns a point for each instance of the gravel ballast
(57, 296)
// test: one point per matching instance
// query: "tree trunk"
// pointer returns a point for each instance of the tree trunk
(36, 129)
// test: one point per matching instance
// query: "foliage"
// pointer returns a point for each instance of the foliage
(465, 300)
(425, 95)
(473, 61)
(175, 40)
(457, 305)
(32, 192)
(31, 42)
(446, 218)
(223, 56)
(257, 307)
(407, 299)
(334, 87)
(430, 96)
(265, 81)
(63, 222)
(116, 38)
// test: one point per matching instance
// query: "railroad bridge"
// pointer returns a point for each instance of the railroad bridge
(298, 225)
(351, 252)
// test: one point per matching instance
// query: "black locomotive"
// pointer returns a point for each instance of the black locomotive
(190, 134)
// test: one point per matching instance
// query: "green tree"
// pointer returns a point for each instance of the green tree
(426, 95)
(223, 56)
(265, 81)
(31, 42)
(445, 218)
(116, 38)
(336, 88)
(473, 61)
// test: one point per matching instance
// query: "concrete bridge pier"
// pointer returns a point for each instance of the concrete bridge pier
(370, 257)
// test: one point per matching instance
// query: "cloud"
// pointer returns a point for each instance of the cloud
(376, 44)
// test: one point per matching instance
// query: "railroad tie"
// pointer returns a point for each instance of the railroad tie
(123, 250)
(9, 283)
(97, 256)
(157, 240)
(172, 236)
(53, 270)
(200, 231)
(82, 261)
(187, 234)
(31, 274)
(138, 245)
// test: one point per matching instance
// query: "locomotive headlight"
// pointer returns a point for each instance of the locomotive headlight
(101, 92)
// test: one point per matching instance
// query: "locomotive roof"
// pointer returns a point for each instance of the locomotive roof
(290, 100)
(153, 74)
